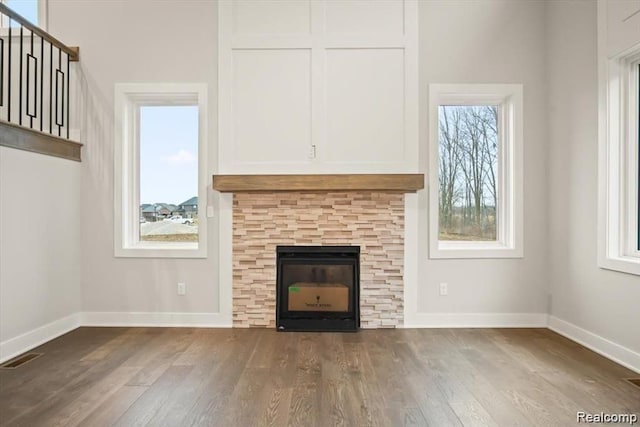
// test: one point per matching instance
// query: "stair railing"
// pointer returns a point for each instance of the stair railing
(34, 76)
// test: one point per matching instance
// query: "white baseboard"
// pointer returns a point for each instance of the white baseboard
(476, 320)
(190, 320)
(619, 354)
(25, 342)
(29, 340)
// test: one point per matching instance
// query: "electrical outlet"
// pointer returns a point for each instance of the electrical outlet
(182, 288)
(444, 289)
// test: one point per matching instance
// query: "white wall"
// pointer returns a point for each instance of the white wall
(136, 41)
(487, 42)
(493, 42)
(550, 47)
(622, 21)
(40, 217)
(600, 302)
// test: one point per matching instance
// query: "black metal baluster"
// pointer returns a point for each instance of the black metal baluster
(41, 83)
(9, 76)
(57, 99)
(1, 71)
(32, 69)
(59, 93)
(68, 100)
(20, 77)
(50, 88)
(29, 62)
(25, 86)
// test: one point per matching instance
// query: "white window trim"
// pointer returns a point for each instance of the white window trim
(510, 204)
(633, 166)
(128, 99)
(618, 162)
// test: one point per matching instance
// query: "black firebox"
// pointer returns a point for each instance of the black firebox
(318, 288)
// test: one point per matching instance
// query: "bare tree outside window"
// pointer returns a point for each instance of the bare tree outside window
(468, 172)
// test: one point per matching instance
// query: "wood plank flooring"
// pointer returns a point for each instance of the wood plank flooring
(259, 377)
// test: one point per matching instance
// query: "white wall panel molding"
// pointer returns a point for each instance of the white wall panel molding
(323, 87)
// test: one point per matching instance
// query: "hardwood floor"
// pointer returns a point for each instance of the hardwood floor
(252, 377)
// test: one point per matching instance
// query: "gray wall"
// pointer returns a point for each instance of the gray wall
(40, 223)
(600, 301)
(489, 42)
(128, 42)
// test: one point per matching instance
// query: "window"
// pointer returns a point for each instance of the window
(32, 10)
(619, 242)
(467, 172)
(160, 167)
(475, 176)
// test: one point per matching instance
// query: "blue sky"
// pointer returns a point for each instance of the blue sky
(168, 154)
(26, 8)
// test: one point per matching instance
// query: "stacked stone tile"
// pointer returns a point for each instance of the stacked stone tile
(372, 220)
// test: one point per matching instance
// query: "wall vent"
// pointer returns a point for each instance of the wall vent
(20, 360)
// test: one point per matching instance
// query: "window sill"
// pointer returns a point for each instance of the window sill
(621, 264)
(473, 250)
(169, 250)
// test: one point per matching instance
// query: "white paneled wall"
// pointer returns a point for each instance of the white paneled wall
(365, 116)
(284, 17)
(359, 17)
(271, 99)
(318, 86)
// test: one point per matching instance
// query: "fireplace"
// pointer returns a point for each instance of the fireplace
(317, 288)
(372, 220)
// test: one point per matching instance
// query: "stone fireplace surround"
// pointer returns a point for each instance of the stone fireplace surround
(373, 220)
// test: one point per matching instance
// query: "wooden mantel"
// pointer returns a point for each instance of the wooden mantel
(407, 183)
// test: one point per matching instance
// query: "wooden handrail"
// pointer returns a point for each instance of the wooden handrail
(73, 53)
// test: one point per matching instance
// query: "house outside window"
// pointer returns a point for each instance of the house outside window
(160, 170)
(475, 177)
(189, 208)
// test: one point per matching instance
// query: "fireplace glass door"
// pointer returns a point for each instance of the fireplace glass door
(317, 288)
